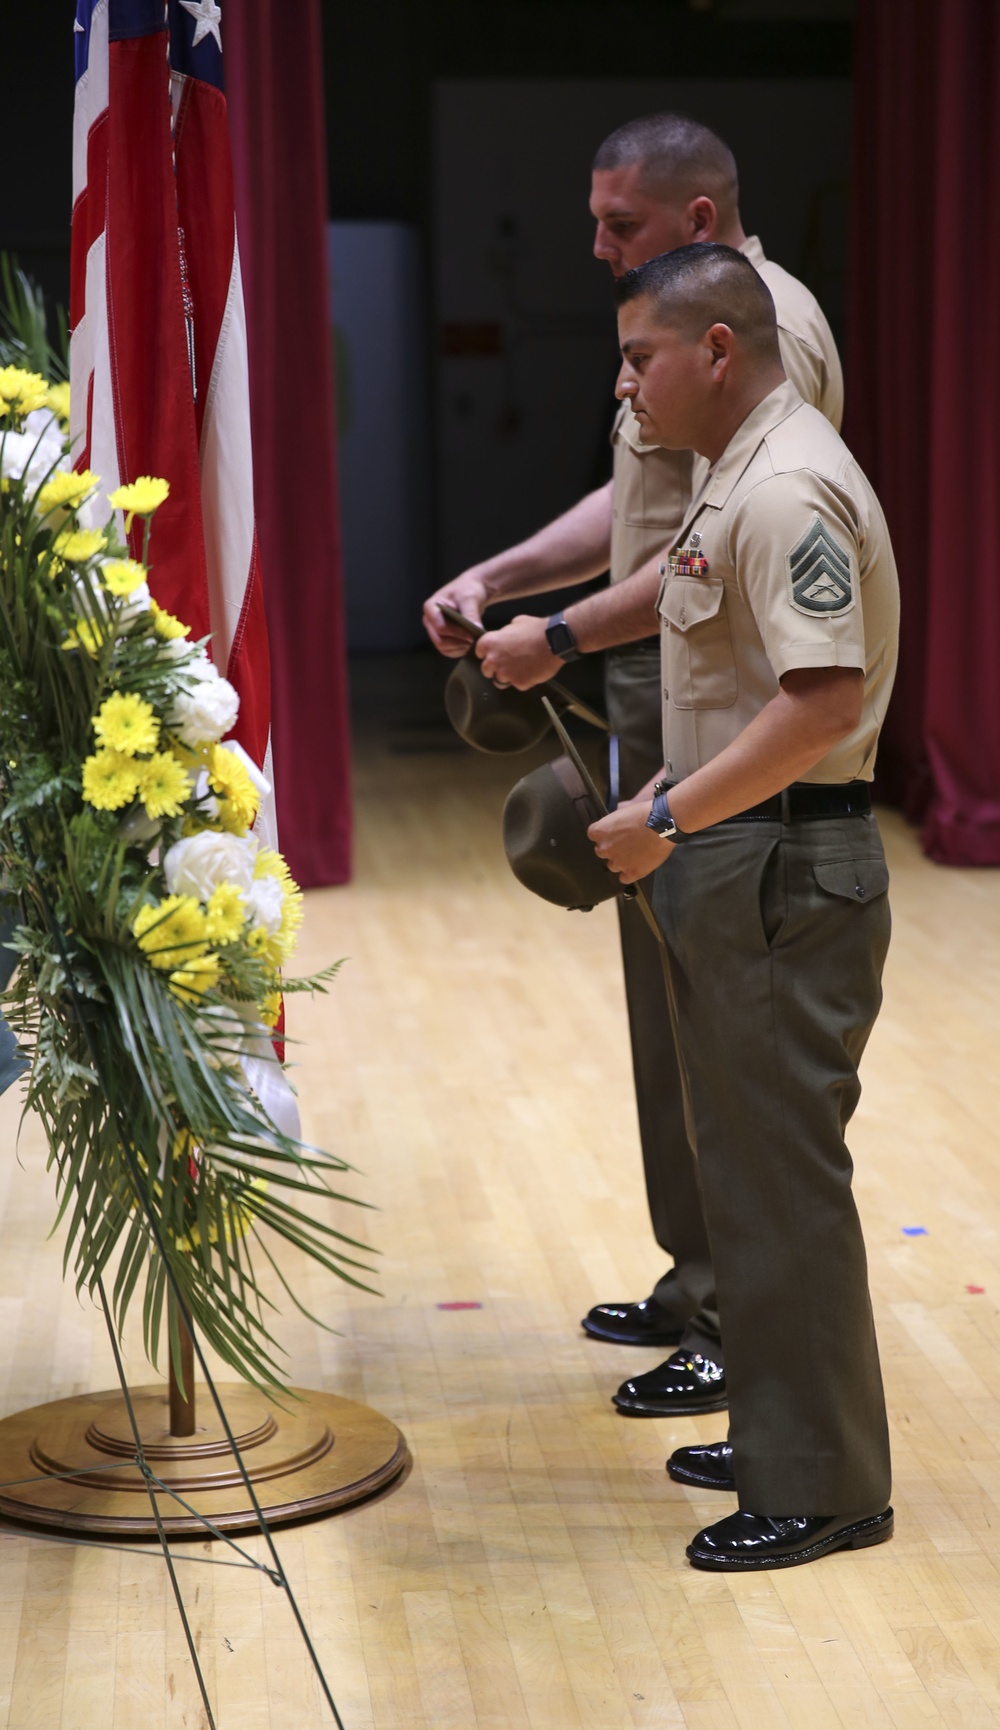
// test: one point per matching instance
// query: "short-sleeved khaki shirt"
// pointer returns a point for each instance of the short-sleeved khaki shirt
(800, 573)
(653, 486)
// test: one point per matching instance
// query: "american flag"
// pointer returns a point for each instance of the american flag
(158, 350)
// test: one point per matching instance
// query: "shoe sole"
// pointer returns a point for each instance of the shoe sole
(612, 1339)
(867, 1532)
(692, 1408)
(700, 1481)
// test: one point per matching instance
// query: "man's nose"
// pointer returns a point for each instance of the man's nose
(627, 384)
(604, 246)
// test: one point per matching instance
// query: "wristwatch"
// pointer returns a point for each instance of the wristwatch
(659, 819)
(560, 638)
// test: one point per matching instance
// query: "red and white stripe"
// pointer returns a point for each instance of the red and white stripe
(151, 161)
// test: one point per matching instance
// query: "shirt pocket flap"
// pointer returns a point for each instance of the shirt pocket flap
(857, 879)
(686, 604)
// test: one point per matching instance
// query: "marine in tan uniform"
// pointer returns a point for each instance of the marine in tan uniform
(658, 183)
(779, 613)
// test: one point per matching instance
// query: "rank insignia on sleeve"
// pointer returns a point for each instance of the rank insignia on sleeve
(819, 573)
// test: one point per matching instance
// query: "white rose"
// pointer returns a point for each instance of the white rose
(265, 902)
(206, 712)
(199, 863)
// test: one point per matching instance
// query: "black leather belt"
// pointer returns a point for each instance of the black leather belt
(805, 802)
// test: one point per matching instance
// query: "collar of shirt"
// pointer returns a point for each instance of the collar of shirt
(753, 250)
(722, 477)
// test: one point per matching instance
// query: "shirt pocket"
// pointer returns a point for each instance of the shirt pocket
(700, 665)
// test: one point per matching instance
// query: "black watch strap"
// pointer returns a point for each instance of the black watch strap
(560, 638)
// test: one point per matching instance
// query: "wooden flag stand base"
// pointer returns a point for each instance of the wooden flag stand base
(316, 1454)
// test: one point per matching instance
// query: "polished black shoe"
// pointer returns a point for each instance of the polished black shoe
(682, 1387)
(744, 1541)
(642, 1324)
(709, 1465)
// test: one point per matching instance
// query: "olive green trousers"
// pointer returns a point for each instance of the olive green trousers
(687, 1289)
(776, 935)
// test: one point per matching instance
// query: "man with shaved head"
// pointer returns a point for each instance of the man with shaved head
(658, 183)
(779, 612)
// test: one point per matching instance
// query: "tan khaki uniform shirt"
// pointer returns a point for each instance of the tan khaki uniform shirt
(800, 573)
(653, 486)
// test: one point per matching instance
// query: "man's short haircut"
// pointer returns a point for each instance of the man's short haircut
(678, 158)
(697, 286)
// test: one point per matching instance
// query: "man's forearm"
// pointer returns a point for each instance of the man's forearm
(572, 549)
(623, 613)
(811, 713)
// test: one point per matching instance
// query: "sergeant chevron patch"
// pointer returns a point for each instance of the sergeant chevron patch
(819, 573)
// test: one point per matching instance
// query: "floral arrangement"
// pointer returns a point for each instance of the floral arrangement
(152, 928)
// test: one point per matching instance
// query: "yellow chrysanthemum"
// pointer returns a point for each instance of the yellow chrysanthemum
(163, 786)
(238, 1222)
(171, 932)
(66, 488)
(195, 978)
(165, 625)
(225, 914)
(57, 399)
(140, 498)
(121, 576)
(90, 634)
(271, 864)
(127, 723)
(76, 545)
(228, 778)
(270, 1008)
(257, 940)
(21, 391)
(109, 780)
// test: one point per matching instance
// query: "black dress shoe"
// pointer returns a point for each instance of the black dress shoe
(642, 1324)
(709, 1465)
(743, 1541)
(685, 1385)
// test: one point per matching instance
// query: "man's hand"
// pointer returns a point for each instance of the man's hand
(519, 655)
(468, 595)
(630, 849)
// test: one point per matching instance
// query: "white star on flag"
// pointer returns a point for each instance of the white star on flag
(208, 16)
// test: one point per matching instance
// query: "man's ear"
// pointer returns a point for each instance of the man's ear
(720, 342)
(702, 217)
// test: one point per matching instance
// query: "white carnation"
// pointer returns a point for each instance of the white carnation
(28, 456)
(265, 901)
(201, 667)
(135, 604)
(199, 863)
(173, 649)
(205, 712)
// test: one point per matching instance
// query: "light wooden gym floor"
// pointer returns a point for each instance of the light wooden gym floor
(472, 1062)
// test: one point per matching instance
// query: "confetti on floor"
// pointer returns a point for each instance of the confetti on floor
(914, 1231)
(464, 1305)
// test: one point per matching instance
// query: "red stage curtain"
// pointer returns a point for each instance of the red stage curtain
(273, 64)
(924, 395)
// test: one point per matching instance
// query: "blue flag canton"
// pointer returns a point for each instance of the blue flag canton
(130, 18)
(203, 61)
